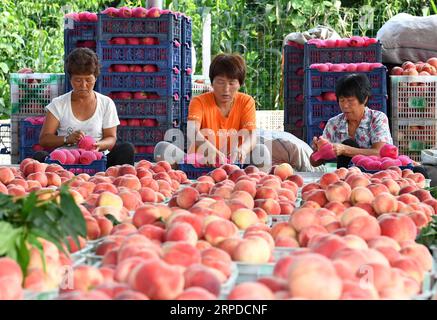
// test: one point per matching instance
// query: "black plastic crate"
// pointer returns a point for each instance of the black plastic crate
(294, 114)
(298, 132)
(312, 131)
(166, 27)
(293, 59)
(293, 86)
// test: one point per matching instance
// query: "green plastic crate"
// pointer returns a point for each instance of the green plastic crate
(32, 92)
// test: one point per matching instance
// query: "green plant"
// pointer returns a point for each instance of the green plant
(25, 219)
(428, 234)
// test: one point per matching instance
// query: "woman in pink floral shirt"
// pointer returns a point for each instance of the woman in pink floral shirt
(358, 129)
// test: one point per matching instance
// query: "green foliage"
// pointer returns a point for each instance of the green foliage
(31, 32)
(25, 219)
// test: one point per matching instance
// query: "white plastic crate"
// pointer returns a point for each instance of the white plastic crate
(414, 97)
(31, 92)
(252, 271)
(414, 135)
(270, 119)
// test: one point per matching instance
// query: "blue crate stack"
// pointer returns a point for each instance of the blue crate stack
(293, 91)
(29, 137)
(161, 88)
(78, 34)
(318, 112)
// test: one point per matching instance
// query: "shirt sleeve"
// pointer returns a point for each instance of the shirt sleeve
(248, 117)
(55, 109)
(328, 131)
(380, 131)
(195, 110)
(110, 117)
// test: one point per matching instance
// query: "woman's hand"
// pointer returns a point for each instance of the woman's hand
(339, 149)
(75, 137)
(97, 146)
(238, 156)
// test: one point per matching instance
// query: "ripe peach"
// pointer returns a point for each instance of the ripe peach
(146, 214)
(219, 260)
(218, 230)
(251, 291)
(361, 195)
(400, 228)
(270, 206)
(339, 191)
(303, 217)
(283, 171)
(181, 231)
(198, 275)
(385, 203)
(328, 179)
(181, 253)
(366, 227)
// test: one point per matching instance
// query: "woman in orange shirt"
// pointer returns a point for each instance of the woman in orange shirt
(221, 124)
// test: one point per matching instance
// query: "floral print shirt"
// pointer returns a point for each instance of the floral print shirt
(373, 128)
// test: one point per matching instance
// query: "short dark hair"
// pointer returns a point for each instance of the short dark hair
(229, 65)
(354, 85)
(82, 61)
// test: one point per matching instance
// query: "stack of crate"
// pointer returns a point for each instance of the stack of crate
(305, 112)
(30, 94)
(78, 34)
(187, 77)
(294, 120)
(318, 112)
(142, 74)
(414, 114)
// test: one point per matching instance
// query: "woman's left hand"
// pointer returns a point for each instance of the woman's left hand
(97, 146)
(339, 149)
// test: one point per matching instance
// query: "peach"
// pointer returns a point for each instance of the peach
(181, 253)
(357, 181)
(181, 231)
(283, 229)
(107, 198)
(336, 207)
(218, 260)
(131, 199)
(129, 181)
(146, 214)
(297, 179)
(266, 193)
(105, 226)
(286, 207)
(407, 198)
(218, 230)
(383, 241)
(262, 234)
(149, 183)
(422, 194)
(389, 253)
(148, 195)
(31, 167)
(361, 195)
(400, 228)
(105, 187)
(85, 278)
(282, 266)
(385, 203)
(125, 267)
(157, 279)
(392, 186)
(419, 253)
(252, 250)
(351, 213)
(354, 290)
(275, 284)
(307, 233)
(251, 291)
(355, 242)
(218, 174)
(313, 276)
(152, 232)
(303, 217)
(328, 179)
(11, 278)
(317, 196)
(243, 218)
(244, 197)
(339, 191)
(366, 227)
(284, 241)
(248, 186)
(198, 275)
(310, 205)
(410, 266)
(328, 245)
(283, 171)
(270, 206)
(310, 186)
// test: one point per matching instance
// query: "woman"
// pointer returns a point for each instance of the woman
(83, 111)
(358, 129)
(221, 124)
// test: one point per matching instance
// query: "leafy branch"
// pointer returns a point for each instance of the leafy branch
(24, 219)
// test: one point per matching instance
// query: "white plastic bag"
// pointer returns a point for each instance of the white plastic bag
(406, 37)
(429, 156)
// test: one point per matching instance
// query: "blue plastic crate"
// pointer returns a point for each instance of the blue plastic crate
(293, 59)
(166, 27)
(187, 30)
(312, 54)
(165, 56)
(29, 133)
(312, 131)
(165, 110)
(317, 82)
(316, 111)
(294, 112)
(185, 103)
(164, 83)
(293, 86)
(91, 169)
(147, 136)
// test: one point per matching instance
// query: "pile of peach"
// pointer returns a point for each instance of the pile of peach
(359, 231)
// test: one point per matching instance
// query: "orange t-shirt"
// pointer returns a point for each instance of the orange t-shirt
(203, 109)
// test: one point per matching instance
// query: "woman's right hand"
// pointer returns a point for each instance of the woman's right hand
(75, 137)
